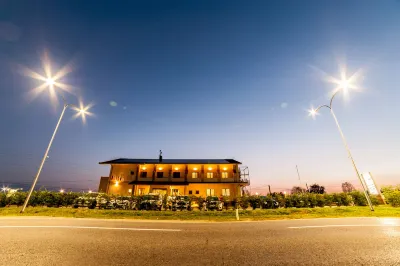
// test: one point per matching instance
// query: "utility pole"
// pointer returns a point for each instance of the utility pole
(298, 174)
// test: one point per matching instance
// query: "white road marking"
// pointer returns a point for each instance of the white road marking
(343, 225)
(89, 227)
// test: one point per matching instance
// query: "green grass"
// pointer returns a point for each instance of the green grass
(290, 213)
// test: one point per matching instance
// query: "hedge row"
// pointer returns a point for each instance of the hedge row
(309, 200)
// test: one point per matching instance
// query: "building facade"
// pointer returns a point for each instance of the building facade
(197, 177)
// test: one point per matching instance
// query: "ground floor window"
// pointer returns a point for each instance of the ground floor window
(226, 192)
(175, 191)
(210, 192)
(190, 192)
(197, 192)
(140, 191)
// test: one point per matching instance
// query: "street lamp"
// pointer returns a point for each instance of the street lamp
(51, 82)
(344, 85)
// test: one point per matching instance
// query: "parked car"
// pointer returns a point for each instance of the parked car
(268, 203)
(151, 202)
(214, 203)
(86, 201)
(182, 203)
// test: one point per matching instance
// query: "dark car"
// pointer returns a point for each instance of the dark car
(214, 203)
(151, 202)
(182, 203)
(268, 203)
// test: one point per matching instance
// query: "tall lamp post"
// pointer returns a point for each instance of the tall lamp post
(313, 112)
(81, 111)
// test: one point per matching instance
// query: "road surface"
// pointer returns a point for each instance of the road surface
(68, 241)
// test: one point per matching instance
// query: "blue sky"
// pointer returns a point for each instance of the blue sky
(202, 79)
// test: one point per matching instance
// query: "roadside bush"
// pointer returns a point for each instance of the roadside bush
(244, 202)
(394, 198)
(358, 198)
(328, 198)
(254, 201)
(341, 199)
(227, 202)
(320, 198)
(3, 200)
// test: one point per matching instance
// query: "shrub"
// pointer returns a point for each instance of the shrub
(244, 202)
(254, 201)
(394, 198)
(328, 198)
(320, 198)
(359, 198)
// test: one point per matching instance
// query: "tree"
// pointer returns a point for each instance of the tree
(347, 187)
(298, 190)
(317, 189)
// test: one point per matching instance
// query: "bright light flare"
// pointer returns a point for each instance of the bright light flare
(61, 190)
(90, 191)
(313, 113)
(4, 189)
(50, 81)
(82, 111)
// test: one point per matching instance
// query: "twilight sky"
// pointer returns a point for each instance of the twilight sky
(202, 79)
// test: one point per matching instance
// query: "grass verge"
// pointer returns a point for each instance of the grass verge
(245, 215)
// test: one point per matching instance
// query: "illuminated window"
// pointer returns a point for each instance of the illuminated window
(224, 174)
(195, 175)
(226, 192)
(209, 175)
(210, 192)
(140, 191)
(143, 174)
(160, 174)
(176, 174)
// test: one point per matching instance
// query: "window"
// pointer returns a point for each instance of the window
(176, 174)
(140, 191)
(210, 192)
(197, 192)
(209, 175)
(160, 174)
(175, 191)
(190, 192)
(132, 173)
(143, 174)
(224, 174)
(195, 175)
(226, 192)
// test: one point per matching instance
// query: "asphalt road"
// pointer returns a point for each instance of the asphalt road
(66, 241)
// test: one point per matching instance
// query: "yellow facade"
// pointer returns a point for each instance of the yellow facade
(192, 178)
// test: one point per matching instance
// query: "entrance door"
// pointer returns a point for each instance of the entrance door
(160, 191)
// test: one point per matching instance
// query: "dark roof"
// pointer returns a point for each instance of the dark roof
(171, 161)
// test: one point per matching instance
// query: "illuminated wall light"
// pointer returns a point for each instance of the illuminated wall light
(116, 184)
(225, 168)
(144, 168)
(130, 190)
(160, 168)
(61, 190)
(176, 168)
(210, 168)
(195, 168)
